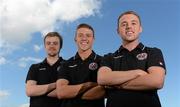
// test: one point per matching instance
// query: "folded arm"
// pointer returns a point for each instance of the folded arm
(64, 90)
(96, 92)
(107, 77)
(32, 89)
(153, 80)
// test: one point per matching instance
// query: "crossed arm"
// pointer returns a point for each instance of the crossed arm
(32, 89)
(87, 90)
(132, 79)
(154, 79)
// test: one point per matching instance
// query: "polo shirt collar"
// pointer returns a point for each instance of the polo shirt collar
(140, 46)
(91, 56)
(45, 61)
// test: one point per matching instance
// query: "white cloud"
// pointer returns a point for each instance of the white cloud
(20, 18)
(37, 48)
(24, 105)
(4, 94)
(24, 61)
(2, 60)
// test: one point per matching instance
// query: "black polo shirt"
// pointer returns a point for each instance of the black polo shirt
(140, 58)
(43, 73)
(78, 71)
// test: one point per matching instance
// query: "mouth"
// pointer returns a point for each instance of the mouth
(84, 43)
(129, 32)
(52, 49)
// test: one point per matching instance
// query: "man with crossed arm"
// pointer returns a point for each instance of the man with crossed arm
(77, 84)
(133, 74)
(41, 78)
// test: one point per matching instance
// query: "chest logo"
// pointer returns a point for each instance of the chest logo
(142, 56)
(93, 66)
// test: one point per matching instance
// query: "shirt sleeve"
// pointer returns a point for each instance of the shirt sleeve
(63, 72)
(106, 61)
(31, 73)
(155, 58)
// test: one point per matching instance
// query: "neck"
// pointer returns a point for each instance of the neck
(84, 54)
(130, 45)
(52, 60)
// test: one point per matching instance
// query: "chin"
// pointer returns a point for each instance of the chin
(83, 49)
(52, 55)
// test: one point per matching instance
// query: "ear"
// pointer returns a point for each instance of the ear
(117, 30)
(141, 29)
(75, 39)
(44, 45)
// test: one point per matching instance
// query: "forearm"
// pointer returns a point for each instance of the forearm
(71, 91)
(146, 82)
(117, 77)
(37, 90)
(154, 79)
(86, 86)
(94, 93)
(68, 91)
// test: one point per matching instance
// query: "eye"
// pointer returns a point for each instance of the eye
(80, 35)
(55, 43)
(48, 43)
(88, 35)
(134, 23)
(123, 24)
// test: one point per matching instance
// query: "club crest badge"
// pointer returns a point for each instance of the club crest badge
(93, 66)
(142, 56)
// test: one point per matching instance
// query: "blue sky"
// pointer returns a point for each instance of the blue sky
(22, 27)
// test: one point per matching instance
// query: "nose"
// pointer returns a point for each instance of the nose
(84, 37)
(128, 26)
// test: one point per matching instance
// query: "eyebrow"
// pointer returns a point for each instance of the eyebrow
(131, 21)
(134, 21)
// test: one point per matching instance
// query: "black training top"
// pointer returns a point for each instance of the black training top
(43, 73)
(140, 58)
(78, 71)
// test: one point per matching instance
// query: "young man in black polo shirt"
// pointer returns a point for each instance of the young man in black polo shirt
(77, 83)
(41, 78)
(134, 73)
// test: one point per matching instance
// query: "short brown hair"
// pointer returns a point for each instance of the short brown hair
(84, 25)
(129, 12)
(55, 34)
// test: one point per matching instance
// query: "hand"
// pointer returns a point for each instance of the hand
(140, 72)
(89, 84)
(86, 86)
(51, 86)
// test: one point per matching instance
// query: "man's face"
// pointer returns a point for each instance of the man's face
(84, 39)
(129, 27)
(52, 46)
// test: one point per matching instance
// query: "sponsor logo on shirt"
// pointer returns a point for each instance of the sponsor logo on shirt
(71, 66)
(41, 69)
(120, 56)
(160, 63)
(58, 68)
